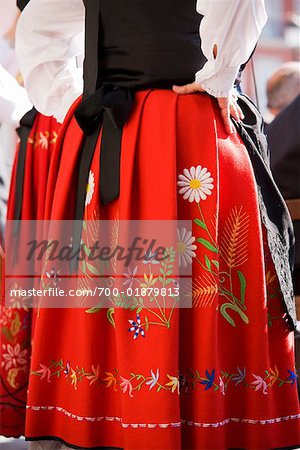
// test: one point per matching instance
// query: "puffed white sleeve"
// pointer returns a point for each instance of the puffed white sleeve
(229, 32)
(50, 34)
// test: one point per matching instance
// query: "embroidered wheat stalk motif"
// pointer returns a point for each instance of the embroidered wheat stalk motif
(114, 242)
(233, 247)
(205, 290)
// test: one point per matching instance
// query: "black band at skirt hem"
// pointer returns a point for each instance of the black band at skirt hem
(67, 444)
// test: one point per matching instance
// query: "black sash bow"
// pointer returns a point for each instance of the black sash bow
(109, 107)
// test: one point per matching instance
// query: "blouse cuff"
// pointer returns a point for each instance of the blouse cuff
(217, 83)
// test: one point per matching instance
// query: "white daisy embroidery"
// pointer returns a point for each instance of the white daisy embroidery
(90, 188)
(185, 247)
(196, 184)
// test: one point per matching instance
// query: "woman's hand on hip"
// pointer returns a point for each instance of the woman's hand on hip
(228, 105)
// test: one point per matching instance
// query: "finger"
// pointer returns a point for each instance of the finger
(234, 112)
(240, 112)
(223, 102)
(228, 124)
(225, 112)
(188, 88)
(234, 99)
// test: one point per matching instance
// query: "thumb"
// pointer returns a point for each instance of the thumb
(182, 89)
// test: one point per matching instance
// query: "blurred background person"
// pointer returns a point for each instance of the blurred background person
(282, 87)
(28, 183)
(14, 102)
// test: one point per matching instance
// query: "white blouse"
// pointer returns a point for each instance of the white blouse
(50, 36)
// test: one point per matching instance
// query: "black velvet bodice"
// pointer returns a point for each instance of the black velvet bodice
(149, 42)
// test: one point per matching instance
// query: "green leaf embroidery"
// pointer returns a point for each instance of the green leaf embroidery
(207, 244)
(243, 286)
(93, 269)
(225, 314)
(83, 267)
(235, 308)
(7, 334)
(110, 314)
(207, 262)
(93, 310)
(215, 263)
(87, 250)
(200, 223)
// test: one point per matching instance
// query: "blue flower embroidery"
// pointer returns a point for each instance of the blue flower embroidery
(136, 327)
(292, 377)
(210, 379)
(154, 379)
(149, 258)
(239, 378)
(67, 368)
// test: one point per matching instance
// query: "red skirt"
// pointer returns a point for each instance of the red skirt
(216, 376)
(17, 321)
